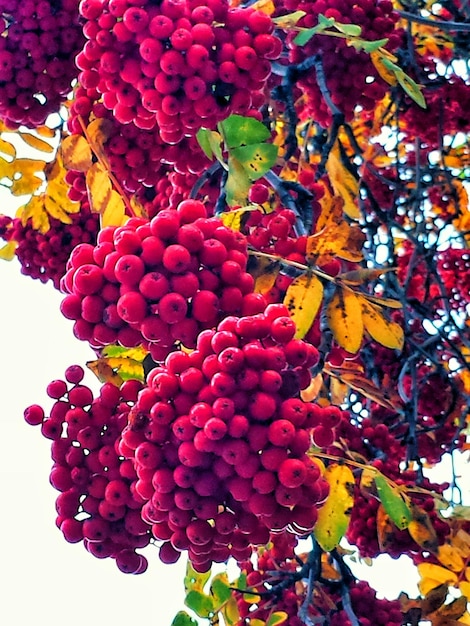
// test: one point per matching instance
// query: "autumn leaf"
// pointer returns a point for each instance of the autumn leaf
(303, 299)
(286, 22)
(334, 515)
(385, 529)
(76, 153)
(343, 182)
(238, 183)
(422, 530)
(277, 618)
(99, 188)
(310, 393)
(384, 71)
(114, 212)
(97, 133)
(234, 219)
(7, 252)
(383, 331)
(451, 557)
(7, 148)
(344, 317)
(434, 599)
(433, 576)
(36, 142)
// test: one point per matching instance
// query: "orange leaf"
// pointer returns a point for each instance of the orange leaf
(385, 530)
(422, 530)
(99, 188)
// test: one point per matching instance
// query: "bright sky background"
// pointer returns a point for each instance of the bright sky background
(47, 580)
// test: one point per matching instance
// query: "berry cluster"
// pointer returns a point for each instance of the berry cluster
(351, 77)
(37, 49)
(181, 64)
(98, 503)
(454, 268)
(159, 282)
(222, 437)
(44, 255)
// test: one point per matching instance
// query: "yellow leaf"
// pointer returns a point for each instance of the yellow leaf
(234, 219)
(422, 530)
(303, 299)
(334, 515)
(238, 184)
(464, 587)
(115, 211)
(436, 573)
(137, 208)
(387, 333)
(388, 302)
(53, 206)
(104, 372)
(361, 276)
(265, 6)
(265, 281)
(35, 211)
(367, 485)
(388, 75)
(76, 153)
(36, 142)
(451, 557)
(344, 317)
(7, 148)
(45, 131)
(312, 391)
(98, 133)
(7, 253)
(343, 182)
(99, 188)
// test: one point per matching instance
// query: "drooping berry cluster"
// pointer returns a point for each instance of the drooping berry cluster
(37, 48)
(98, 503)
(223, 437)
(351, 77)
(182, 64)
(158, 283)
(44, 255)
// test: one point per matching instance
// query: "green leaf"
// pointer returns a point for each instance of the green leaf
(238, 183)
(276, 618)
(202, 137)
(183, 619)
(220, 589)
(393, 502)
(306, 34)
(351, 30)
(195, 580)
(200, 603)
(238, 130)
(334, 515)
(367, 46)
(411, 88)
(256, 159)
(324, 21)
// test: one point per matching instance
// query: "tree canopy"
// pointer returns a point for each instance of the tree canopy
(258, 216)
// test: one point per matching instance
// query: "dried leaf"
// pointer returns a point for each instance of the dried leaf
(76, 153)
(455, 609)
(303, 299)
(344, 317)
(385, 530)
(364, 386)
(433, 576)
(312, 392)
(98, 133)
(434, 599)
(104, 372)
(422, 531)
(334, 515)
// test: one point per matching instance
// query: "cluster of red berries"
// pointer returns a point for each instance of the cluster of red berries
(37, 49)
(159, 282)
(98, 503)
(453, 265)
(351, 77)
(44, 255)
(181, 64)
(223, 438)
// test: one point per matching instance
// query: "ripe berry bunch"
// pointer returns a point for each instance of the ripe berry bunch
(224, 435)
(454, 267)
(181, 64)
(44, 255)
(37, 50)
(159, 282)
(368, 608)
(348, 72)
(98, 503)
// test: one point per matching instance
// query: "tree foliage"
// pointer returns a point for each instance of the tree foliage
(258, 216)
